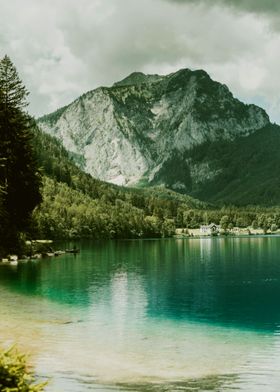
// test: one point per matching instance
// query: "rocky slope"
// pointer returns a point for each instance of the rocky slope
(140, 130)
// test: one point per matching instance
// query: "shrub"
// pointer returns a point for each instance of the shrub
(15, 375)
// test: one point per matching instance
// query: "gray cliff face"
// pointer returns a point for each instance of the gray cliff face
(137, 130)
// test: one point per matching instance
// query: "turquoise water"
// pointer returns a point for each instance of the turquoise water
(155, 315)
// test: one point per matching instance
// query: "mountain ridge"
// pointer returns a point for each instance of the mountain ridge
(143, 129)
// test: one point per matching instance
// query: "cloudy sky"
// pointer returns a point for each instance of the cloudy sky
(63, 48)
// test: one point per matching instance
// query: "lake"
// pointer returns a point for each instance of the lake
(150, 315)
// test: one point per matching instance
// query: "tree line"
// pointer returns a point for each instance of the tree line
(76, 206)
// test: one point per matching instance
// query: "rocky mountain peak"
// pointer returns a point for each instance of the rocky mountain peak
(144, 126)
(137, 78)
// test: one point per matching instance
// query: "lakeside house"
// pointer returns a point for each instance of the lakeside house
(210, 229)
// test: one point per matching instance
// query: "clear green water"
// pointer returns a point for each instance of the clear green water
(155, 315)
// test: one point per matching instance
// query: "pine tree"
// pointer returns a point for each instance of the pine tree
(19, 178)
(14, 93)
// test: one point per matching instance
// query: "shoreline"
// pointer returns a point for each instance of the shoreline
(236, 232)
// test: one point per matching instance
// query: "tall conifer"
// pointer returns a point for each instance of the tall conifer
(19, 178)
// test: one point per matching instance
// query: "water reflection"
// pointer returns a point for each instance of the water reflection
(226, 281)
(171, 314)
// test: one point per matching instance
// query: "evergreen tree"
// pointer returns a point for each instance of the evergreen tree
(19, 176)
(14, 93)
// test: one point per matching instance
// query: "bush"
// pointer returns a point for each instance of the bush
(15, 375)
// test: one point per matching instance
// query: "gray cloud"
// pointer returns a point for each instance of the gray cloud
(65, 48)
(263, 6)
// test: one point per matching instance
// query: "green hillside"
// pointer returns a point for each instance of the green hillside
(77, 205)
(250, 169)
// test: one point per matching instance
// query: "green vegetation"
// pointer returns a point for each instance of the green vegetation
(67, 213)
(19, 178)
(54, 116)
(212, 95)
(77, 206)
(244, 171)
(241, 163)
(232, 216)
(15, 375)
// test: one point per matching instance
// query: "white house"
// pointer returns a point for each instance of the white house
(210, 229)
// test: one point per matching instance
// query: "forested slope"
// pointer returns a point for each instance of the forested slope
(77, 205)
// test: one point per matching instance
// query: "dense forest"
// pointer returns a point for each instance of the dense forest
(244, 161)
(75, 205)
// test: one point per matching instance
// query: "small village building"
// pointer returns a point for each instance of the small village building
(210, 229)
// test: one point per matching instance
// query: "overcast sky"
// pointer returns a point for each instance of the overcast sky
(63, 48)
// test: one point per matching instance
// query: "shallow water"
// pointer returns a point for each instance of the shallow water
(155, 315)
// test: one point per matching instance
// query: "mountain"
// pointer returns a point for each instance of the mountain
(75, 205)
(58, 164)
(184, 131)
